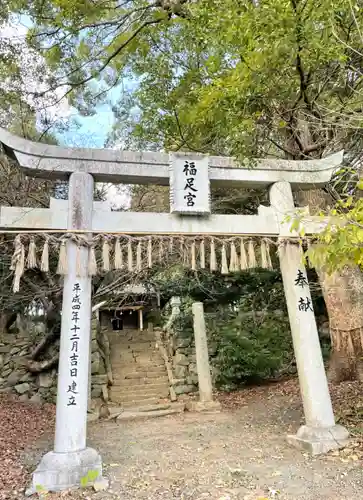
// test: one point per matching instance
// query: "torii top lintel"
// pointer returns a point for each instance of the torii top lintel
(132, 167)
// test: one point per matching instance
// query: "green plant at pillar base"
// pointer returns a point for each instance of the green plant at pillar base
(41, 491)
(89, 478)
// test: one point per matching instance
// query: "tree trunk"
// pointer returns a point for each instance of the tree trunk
(343, 294)
(44, 343)
(104, 347)
(7, 318)
(41, 366)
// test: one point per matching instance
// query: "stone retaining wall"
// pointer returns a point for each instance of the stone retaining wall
(180, 349)
(39, 387)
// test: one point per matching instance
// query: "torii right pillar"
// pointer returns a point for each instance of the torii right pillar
(320, 432)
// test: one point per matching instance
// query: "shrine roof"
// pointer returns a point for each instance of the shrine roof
(147, 167)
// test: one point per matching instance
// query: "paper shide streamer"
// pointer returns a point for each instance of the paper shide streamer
(135, 254)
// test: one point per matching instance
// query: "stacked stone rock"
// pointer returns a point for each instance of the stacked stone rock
(99, 379)
(14, 378)
(42, 387)
(184, 364)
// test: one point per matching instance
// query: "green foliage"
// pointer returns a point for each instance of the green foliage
(251, 349)
(260, 286)
(341, 242)
(41, 491)
(245, 347)
(225, 77)
(89, 478)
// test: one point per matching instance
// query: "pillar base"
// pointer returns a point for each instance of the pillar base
(204, 406)
(62, 471)
(319, 440)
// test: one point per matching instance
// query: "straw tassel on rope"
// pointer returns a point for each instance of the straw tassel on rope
(130, 258)
(184, 252)
(62, 267)
(139, 257)
(44, 262)
(106, 256)
(213, 258)
(193, 257)
(251, 255)
(161, 250)
(233, 265)
(92, 263)
(18, 262)
(202, 254)
(243, 263)
(264, 263)
(269, 262)
(118, 257)
(149, 253)
(224, 267)
(32, 255)
(78, 261)
(350, 344)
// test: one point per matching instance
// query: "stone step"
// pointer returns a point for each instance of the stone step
(120, 353)
(123, 360)
(133, 339)
(135, 403)
(116, 410)
(121, 395)
(139, 390)
(136, 389)
(148, 362)
(136, 382)
(138, 371)
(146, 374)
(140, 346)
(145, 360)
(135, 415)
(135, 358)
(132, 368)
(139, 399)
(135, 347)
(124, 368)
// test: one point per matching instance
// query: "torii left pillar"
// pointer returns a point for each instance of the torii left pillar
(71, 460)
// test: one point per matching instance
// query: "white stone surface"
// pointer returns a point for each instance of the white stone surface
(131, 167)
(32, 218)
(189, 184)
(318, 409)
(62, 471)
(101, 485)
(319, 440)
(202, 356)
(55, 217)
(71, 460)
(73, 438)
(141, 222)
(164, 223)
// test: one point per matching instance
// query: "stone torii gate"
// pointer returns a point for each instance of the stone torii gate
(190, 215)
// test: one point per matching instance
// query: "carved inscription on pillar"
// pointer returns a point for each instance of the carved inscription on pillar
(74, 354)
(304, 303)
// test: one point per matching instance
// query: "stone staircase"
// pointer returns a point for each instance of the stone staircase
(140, 379)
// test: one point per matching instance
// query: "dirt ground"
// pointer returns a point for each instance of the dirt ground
(238, 454)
